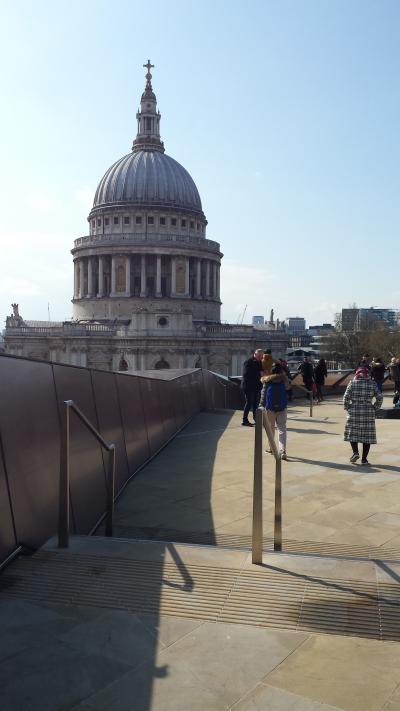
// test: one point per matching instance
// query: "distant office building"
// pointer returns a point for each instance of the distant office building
(350, 320)
(323, 329)
(370, 316)
(302, 340)
(296, 330)
(257, 321)
(319, 337)
(364, 319)
(296, 325)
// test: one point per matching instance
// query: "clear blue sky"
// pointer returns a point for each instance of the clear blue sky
(286, 114)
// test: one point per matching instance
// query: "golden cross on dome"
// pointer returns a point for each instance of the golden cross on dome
(148, 66)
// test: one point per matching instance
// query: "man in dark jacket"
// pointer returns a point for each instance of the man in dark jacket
(378, 372)
(251, 385)
(306, 369)
(394, 373)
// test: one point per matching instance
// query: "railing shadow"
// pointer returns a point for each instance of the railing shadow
(331, 584)
(188, 584)
(311, 430)
(348, 467)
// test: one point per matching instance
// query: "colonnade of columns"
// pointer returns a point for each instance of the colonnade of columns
(111, 276)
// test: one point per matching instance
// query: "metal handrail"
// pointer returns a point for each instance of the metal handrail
(310, 393)
(64, 503)
(257, 533)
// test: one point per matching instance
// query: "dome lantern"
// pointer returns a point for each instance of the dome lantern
(148, 119)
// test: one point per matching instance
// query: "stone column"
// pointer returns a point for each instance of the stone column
(142, 361)
(198, 278)
(81, 278)
(234, 364)
(215, 267)
(128, 276)
(143, 275)
(187, 282)
(158, 276)
(101, 278)
(76, 278)
(208, 278)
(218, 274)
(173, 276)
(113, 276)
(90, 277)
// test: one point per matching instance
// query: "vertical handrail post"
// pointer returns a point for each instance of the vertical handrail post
(257, 539)
(278, 506)
(110, 490)
(63, 516)
(278, 484)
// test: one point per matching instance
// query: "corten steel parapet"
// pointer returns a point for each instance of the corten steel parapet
(392, 413)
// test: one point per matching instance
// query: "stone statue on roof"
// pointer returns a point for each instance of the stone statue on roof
(271, 316)
(15, 320)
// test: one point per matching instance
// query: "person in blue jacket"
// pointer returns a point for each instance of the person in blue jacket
(274, 400)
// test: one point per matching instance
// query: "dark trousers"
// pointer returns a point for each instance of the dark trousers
(252, 399)
(366, 447)
(319, 391)
(379, 384)
(308, 386)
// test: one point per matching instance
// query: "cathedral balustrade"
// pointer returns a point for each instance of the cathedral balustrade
(67, 329)
(229, 328)
(167, 239)
(77, 329)
(34, 331)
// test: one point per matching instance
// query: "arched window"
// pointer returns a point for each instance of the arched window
(161, 365)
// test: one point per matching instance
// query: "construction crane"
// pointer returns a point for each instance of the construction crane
(241, 317)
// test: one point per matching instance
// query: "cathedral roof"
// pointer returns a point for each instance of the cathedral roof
(147, 177)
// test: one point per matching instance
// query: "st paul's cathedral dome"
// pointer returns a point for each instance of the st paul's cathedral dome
(147, 177)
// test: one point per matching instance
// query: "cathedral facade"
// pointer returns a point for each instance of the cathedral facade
(146, 278)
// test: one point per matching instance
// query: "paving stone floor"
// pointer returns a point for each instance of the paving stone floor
(202, 482)
(55, 657)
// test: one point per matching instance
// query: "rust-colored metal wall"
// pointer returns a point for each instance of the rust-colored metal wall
(8, 541)
(109, 419)
(137, 413)
(29, 430)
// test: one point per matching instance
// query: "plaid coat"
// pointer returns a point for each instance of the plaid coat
(357, 400)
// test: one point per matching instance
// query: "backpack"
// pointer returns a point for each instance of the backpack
(276, 398)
